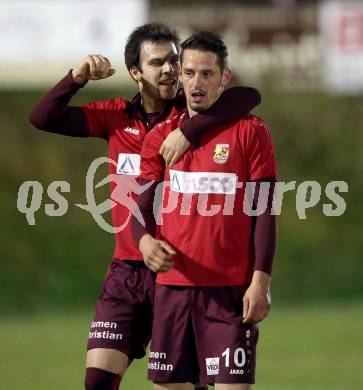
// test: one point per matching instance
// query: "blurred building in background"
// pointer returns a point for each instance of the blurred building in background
(274, 44)
(341, 32)
(283, 43)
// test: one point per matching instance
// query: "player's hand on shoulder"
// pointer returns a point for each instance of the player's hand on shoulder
(173, 147)
(157, 254)
(257, 299)
(93, 67)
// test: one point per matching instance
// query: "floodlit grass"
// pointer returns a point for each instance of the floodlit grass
(304, 348)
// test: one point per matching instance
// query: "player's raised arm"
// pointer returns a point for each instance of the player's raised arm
(233, 104)
(53, 113)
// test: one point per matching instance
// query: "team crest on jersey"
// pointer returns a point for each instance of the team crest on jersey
(221, 153)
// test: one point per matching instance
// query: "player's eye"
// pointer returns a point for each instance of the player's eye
(156, 62)
(188, 72)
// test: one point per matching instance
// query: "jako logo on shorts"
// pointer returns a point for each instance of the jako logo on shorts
(212, 365)
(203, 182)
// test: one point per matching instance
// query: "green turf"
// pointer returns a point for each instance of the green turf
(307, 348)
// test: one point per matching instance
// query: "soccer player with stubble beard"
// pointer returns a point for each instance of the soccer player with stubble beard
(213, 261)
(121, 327)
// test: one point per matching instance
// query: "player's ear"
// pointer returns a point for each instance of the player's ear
(226, 77)
(135, 73)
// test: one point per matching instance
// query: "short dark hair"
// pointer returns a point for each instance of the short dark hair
(154, 32)
(207, 41)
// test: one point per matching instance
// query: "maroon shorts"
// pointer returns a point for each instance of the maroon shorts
(198, 334)
(123, 317)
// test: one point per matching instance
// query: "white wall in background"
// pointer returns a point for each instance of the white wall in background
(54, 34)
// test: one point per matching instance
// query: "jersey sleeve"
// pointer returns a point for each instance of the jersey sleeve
(97, 117)
(260, 152)
(53, 113)
(152, 164)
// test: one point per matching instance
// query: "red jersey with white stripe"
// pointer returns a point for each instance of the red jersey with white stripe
(124, 125)
(202, 214)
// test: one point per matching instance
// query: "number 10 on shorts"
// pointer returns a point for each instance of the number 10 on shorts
(239, 357)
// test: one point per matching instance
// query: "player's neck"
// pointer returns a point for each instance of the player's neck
(151, 105)
(191, 112)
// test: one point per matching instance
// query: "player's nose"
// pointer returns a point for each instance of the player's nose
(196, 81)
(167, 67)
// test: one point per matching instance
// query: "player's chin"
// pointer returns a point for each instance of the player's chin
(167, 93)
(198, 107)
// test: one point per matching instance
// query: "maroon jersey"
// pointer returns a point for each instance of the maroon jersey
(202, 213)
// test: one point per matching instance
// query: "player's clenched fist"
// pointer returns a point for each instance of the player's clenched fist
(157, 254)
(93, 67)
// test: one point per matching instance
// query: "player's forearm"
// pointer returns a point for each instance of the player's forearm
(53, 114)
(265, 234)
(233, 104)
(145, 204)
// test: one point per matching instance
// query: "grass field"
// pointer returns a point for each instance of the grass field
(307, 348)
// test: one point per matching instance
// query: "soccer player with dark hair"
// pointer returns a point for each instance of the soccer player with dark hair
(121, 327)
(213, 262)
